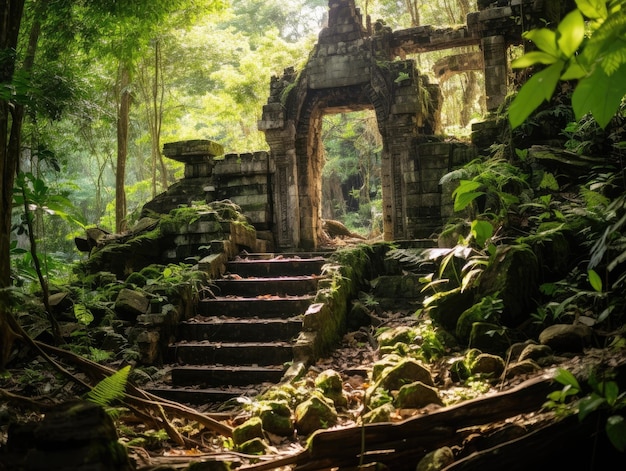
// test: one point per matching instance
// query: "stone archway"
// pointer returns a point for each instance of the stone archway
(350, 69)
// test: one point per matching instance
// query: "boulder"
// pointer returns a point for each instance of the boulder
(436, 460)
(566, 337)
(514, 275)
(276, 418)
(313, 414)
(407, 371)
(250, 429)
(130, 304)
(417, 395)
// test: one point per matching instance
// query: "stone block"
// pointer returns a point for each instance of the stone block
(189, 151)
(129, 304)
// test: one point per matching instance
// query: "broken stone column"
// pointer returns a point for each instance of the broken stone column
(199, 158)
(494, 51)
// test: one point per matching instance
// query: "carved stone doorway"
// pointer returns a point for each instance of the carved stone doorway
(348, 70)
(351, 185)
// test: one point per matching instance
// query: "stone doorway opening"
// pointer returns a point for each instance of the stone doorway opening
(351, 174)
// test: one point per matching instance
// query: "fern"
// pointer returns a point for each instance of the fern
(110, 389)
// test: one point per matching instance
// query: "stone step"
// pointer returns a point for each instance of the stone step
(278, 286)
(203, 396)
(255, 266)
(261, 307)
(241, 338)
(231, 353)
(216, 376)
(231, 329)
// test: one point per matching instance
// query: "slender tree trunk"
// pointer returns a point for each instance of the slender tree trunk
(413, 7)
(11, 12)
(123, 119)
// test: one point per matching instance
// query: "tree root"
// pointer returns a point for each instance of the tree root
(135, 397)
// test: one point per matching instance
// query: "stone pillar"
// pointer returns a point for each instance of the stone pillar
(494, 52)
(197, 155)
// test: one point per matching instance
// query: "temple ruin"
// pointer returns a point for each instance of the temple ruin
(358, 65)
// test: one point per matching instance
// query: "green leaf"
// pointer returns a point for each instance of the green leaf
(566, 378)
(83, 314)
(616, 431)
(110, 389)
(534, 92)
(571, 32)
(574, 70)
(544, 39)
(611, 392)
(465, 199)
(589, 404)
(594, 280)
(464, 194)
(592, 9)
(600, 94)
(482, 231)
(532, 58)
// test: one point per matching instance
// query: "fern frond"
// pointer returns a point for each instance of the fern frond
(110, 389)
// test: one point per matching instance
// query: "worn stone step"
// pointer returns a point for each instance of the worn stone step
(212, 376)
(258, 267)
(262, 307)
(231, 353)
(278, 286)
(203, 396)
(229, 329)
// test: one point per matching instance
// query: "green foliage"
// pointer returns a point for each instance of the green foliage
(604, 395)
(110, 389)
(495, 179)
(559, 400)
(598, 62)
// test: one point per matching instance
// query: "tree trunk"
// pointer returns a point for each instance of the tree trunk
(123, 120)
(11, 12)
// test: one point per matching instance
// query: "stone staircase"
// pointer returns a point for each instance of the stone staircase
(241, 340)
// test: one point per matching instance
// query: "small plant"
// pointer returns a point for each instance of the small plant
(604, 395)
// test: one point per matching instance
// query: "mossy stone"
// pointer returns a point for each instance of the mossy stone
(276, 418)
(394, 335)
(251, 428)
(488, 337)
(417, 395)
(256, 446)
(313, 414)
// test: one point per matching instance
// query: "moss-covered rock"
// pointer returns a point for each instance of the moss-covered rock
(514, 276)
(251, 428)
(255, 446)
(436, 460)
(394, 335)
(331, 385)
(488, 365)
(313, 414)
(446, 310)
(417, 395)
(407, 371)
(379, 414)
(277, 417)
(490, 338)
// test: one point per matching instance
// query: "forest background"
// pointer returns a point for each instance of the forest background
(99, 87)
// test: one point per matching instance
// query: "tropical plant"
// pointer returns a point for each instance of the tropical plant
(604, 395)
(588, 46)
(110, 389)
(488, 187)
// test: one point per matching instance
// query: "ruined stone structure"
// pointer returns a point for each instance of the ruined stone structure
(357, 65)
